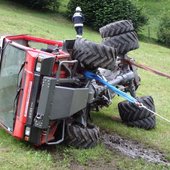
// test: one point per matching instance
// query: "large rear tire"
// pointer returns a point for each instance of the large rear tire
(93, 56)
(81, 137)
(116, 28)
(123, 42)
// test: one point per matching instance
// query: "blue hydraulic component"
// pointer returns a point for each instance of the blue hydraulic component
(91, 75)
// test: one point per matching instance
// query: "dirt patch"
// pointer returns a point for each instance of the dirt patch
(132, 148)
(113, 142)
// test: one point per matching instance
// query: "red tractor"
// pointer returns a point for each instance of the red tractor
(45, 97)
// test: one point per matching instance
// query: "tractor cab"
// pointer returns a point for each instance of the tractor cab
(37, 95)
(24, 61)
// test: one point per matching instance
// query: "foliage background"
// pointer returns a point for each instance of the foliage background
(99, 13)
(40, 4)
(164, 30)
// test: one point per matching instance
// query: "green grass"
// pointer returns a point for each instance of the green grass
(15, 154)
(18, 155)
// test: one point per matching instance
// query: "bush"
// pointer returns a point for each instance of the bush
(164, 30)
(99, 13)
(40, 4)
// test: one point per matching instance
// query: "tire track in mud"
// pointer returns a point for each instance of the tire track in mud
(132, 148)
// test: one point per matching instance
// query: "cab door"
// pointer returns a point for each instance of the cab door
(11, 62)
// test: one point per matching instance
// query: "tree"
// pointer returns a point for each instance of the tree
(99, 13)
(164, 30)
(40, 4)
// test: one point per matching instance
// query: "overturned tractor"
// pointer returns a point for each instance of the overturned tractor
(45, 97)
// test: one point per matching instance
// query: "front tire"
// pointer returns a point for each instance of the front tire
(81, 137)
(134, 116)
(130, 112)
(147, 123)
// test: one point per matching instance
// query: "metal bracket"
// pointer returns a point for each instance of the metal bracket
(71, 71)
(58, 141)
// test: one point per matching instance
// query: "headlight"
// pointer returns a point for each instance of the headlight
(38, 67)
(27, 131)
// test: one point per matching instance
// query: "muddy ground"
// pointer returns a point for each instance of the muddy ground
(123, 146)
(132, 148)
(115, 143)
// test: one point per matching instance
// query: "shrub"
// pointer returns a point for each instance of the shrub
(40, 4)
(99, 13)
(164, 30)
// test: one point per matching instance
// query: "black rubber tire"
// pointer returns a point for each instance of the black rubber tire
(93, 56)
(116, 28)
(147, 123)
(82, 137)
(123, 42)
(130, 112)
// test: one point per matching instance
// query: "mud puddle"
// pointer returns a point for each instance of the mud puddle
(133, 149)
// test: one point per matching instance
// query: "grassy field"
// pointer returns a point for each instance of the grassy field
(14, 155)
(154, 9)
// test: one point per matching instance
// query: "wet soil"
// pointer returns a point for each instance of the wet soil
(132, 148)
(122, 145)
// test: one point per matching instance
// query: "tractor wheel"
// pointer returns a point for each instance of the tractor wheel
(92, 55)
(116, 28)
(123, 42)
(81, 137)
(130, 112)
(147, 123)
(134, 116)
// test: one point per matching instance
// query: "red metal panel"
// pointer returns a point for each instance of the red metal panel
(27, 85)
(36, 39)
